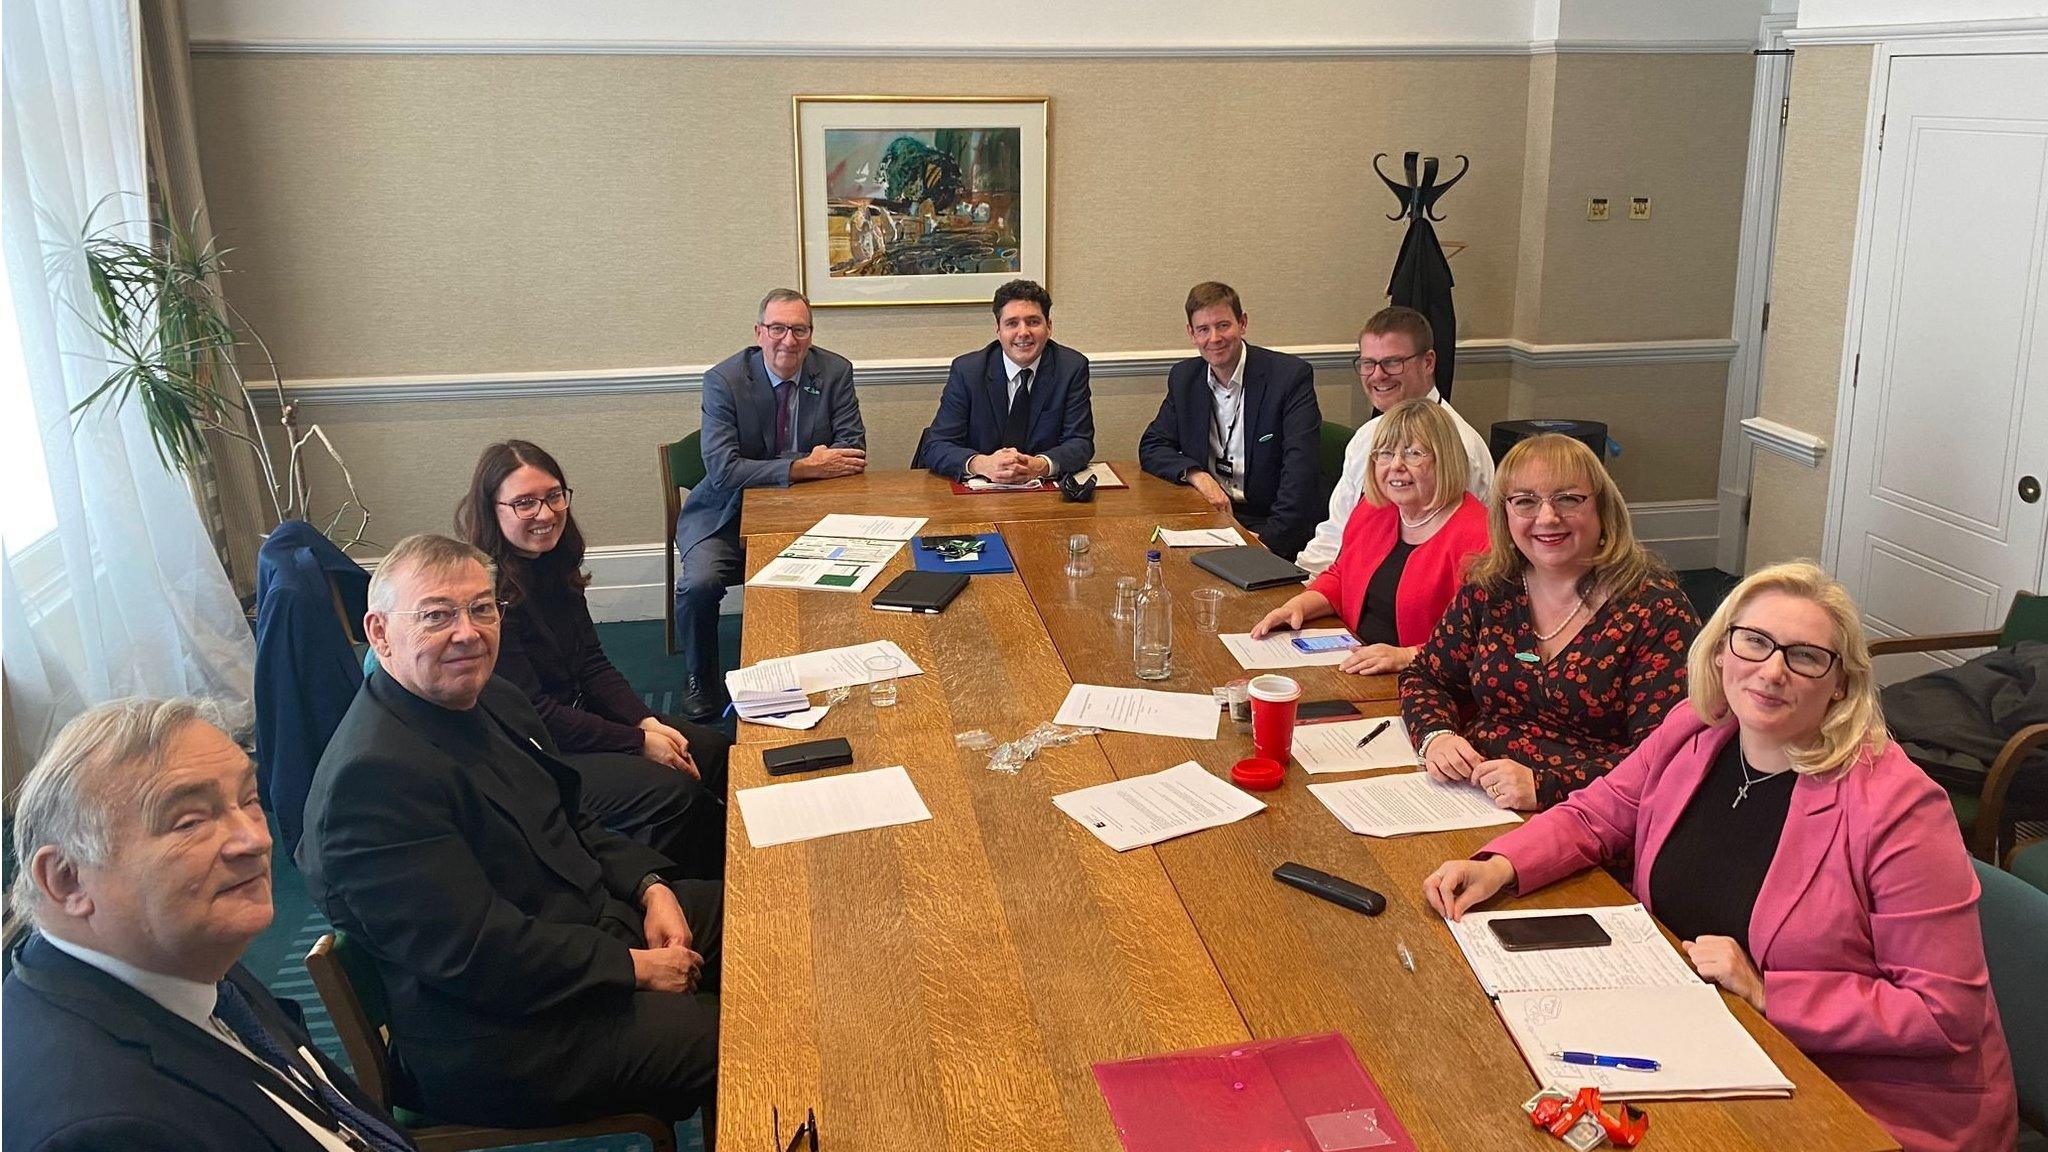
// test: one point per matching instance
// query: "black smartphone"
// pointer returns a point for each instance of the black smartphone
(1322, 711)
(1541, 933)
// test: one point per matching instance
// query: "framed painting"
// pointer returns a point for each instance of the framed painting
(919, 199)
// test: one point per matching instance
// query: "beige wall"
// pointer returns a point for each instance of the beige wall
(447, 213)
(1822, 169)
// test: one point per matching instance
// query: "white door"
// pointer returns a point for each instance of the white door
(1949, 415)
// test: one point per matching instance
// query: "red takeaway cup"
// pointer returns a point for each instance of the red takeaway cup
(1274, 701)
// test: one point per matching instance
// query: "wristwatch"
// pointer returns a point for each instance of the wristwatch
(646, 882)
(1422, 749)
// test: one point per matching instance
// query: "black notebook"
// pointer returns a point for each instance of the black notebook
(1249, 568)
(916, 591)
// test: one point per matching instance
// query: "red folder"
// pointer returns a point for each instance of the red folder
(1300, 1094)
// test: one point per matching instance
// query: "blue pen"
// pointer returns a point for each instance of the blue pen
(1595, 1060)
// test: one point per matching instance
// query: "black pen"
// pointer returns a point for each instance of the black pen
(1372, 735)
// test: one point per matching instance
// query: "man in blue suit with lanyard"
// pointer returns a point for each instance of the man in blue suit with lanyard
(1240, 425)
(1018, 409)
(776, 413)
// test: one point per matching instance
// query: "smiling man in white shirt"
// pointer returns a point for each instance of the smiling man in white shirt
(1396, 362)
(129, 1023)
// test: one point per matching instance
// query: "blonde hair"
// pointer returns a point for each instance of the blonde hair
(1855, 722)
(1421, 422)
(1621, 566)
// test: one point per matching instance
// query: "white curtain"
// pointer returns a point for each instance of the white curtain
(144, 607)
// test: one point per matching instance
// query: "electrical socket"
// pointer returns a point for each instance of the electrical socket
(1639, 208)
(1596, 208)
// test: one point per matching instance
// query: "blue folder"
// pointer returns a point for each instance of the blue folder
(995, 557)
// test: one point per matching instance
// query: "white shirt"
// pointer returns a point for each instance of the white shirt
(1226, 427)
(193, 1003)
(1015, 369)
(1322, 548)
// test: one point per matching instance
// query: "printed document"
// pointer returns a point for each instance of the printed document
(1105, 476)
(1406, 803)
(1333, 747)
(1199, 537)
(847, 526)
(835, 548)
(1277, 650)
(817, 575)
(1703, 1050)
(819, 671)
(1639, 957)
(1127, 814)
(830, 805)
(1188, 715)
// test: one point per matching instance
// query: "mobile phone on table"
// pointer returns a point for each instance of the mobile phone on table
(1324, 711)
(1541, 933)
(1315, 644)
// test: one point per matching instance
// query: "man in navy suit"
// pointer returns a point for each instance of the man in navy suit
(776, 413)
(145, 868)
(1017, 410)
(1241, 425)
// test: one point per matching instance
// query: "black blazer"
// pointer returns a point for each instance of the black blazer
(977, 398)
(1282, 435)
(92, 1064)
(465, 868)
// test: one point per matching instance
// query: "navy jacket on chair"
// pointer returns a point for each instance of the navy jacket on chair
(977, 398)
(1282, 424)
(307, 671)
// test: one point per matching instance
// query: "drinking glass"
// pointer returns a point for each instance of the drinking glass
(882, 672)
(1126, 608)
(1208, 608)
(1079, 563)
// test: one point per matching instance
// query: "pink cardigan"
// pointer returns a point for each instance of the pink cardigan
(1428, 581)
(1865, 929)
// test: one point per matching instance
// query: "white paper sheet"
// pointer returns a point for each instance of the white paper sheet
(1406, 803)
(1186, 714)
(835, 548)
(1277, 650)
(1105, 476)
(830, 805)
(1704, 1050)
(798, 721)
(867, 527)
(1333, 746)
(819, 671)
(1639, 956)
(1199, 537)
(984, 484)
(1127, 814)
(817, 575)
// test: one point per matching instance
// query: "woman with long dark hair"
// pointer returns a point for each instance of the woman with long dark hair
(656, 779)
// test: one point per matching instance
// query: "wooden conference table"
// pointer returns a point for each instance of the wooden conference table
(949, 983)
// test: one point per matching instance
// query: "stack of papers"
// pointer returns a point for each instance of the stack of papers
(847, 527)
(1407, 803)
(1334, 747)
(765, 690)
(840, 553)
(1127, 814)
(1635, 997)
(1192, 716)
(1277, 650)
(830, 805)
(1199, 537)
(819, 671)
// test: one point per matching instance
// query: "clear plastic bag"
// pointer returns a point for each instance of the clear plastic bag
(1010, 755)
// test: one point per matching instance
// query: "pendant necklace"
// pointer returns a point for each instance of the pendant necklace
(1544, 637)
(1742, 793)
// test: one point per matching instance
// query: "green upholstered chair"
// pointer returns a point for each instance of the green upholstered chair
(682, 468)
(2029, 862)
(349, 986)
(1986, 817)
(2014, 917)
(1334, 439)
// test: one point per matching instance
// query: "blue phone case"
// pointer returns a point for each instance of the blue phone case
(1314, 644)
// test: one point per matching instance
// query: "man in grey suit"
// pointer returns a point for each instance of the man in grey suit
(777, 413)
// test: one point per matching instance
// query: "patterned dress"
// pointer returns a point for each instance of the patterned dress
(1568, 719)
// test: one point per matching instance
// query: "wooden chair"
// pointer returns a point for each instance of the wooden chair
(348, 985)
(1986, 817)
(682, 468)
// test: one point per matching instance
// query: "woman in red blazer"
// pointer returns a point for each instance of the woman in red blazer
(1809, 867)
(1405, 547)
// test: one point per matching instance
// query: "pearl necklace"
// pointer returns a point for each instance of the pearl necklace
(1545, 637)
(1742, 793)
(1418, 523)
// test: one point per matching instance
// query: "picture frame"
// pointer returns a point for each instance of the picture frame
(916, 200)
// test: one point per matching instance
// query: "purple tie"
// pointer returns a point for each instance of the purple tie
(785, 417)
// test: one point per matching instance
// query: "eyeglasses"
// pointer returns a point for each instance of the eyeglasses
(784, 331)
(527, 507)
(809, 1128)
(1809, 660)
(442, 619)
(1391, 365)
(1409, 456)
(1526, 505)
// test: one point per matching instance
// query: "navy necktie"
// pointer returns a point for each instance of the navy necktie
(1017, 426)
(235, 1011)
(785, 411)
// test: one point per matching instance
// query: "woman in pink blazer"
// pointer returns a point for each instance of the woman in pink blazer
(1405, 547)
(1808, 866)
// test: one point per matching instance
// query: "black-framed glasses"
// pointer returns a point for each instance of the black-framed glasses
(441, 618)
(1391, 365)
(1526, 505)
(785, 331)
(527, 507)
(808, 1130)
(1809, 660)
